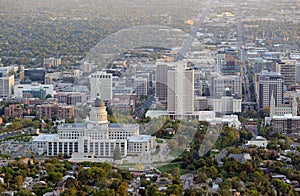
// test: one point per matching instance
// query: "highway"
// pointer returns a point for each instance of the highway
(187, 44)
(247, 96)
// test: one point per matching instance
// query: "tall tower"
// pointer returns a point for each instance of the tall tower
(180, 90)
(101, 85)
(288, 71)
(7, 86)
(161, 79)
(270, 82)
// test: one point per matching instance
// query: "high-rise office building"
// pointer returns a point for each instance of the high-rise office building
(270, 83)
(7, 86)
(233, 83)
(220, 60)
(161, 79)
(180, 90)
(141, 86)
(101, 85)
(231, 66)
(288, 71)
(297, 72)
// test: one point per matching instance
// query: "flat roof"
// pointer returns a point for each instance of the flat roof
(45, 137)
(139, 138)
(123, 125)
(73, 125)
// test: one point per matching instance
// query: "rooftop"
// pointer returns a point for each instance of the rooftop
(46, 137)
(286, 116)
(73, 125)
(121, 125)
(139, 138)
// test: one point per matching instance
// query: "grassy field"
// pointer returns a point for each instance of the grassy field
(170, 166)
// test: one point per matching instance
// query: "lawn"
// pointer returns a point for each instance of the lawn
(170, 166)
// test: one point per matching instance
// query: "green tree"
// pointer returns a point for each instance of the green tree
(122, 189)
(117, 153)
(55, 177)
(172, 144)
(175, 172)
(69, 192)
(174, 189)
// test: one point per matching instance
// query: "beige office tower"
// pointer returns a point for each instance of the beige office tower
(6, 86)
(101, 85)
(288, 71)
(180, 90)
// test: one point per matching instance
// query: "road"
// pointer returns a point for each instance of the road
(187, 44)
(247, 94)
(140, 110)
(9, 134)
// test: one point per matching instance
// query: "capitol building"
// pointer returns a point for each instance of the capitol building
(95, 138)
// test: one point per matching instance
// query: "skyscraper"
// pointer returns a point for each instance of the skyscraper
(180, 85)
(220, 60)
(233, 83)
(161, 79)
(288, 72)
(231, 66)
(270, 83)
(297, 72)
(141, 86)
(7, 86)
(101, 85)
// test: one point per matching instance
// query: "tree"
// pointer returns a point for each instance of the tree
(175, 172)
(201, 177)
(117, 154)
(139, 167)
(23, 193)
(174, 189)
(153, 190)
(69, 192)
(19, 180)
(48, 96)
(172, 144)
(55, 177)
(122, 189)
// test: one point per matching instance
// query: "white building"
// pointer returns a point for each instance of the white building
(258, 141)
(87, 67)
(94, 139)
(20, 88)
(221, 83)
(53, 61)
(7, 86)
(227, 105)
(281, 110)
(180, 90)
(101, 85)
(229, 120)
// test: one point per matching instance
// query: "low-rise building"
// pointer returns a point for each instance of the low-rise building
(258, 141)
(50, 111)
(35, 89)
(13, 111)
(70, 98)
(287, 124)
